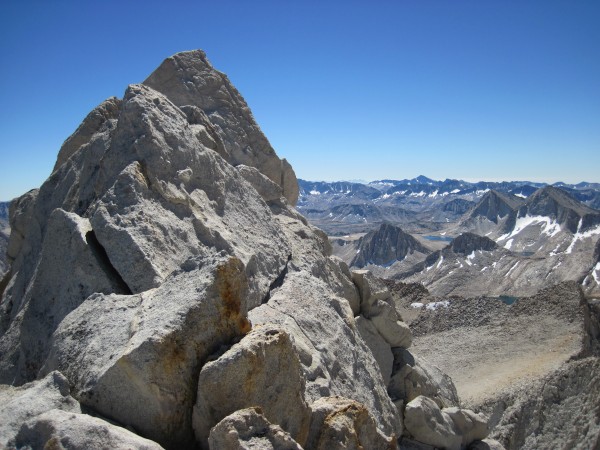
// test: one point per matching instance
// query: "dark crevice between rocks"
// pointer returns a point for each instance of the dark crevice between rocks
(104, 262)
(278, 282)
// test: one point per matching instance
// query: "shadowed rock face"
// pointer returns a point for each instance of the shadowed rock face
(494, 205)
(386, 245)
(560, 206)
(470, 242)
(458, 205)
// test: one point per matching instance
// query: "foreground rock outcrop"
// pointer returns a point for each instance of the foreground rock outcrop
(163, 281)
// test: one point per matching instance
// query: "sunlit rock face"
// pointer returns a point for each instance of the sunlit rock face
(163, 276)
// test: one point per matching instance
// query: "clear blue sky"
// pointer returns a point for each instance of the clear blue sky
(347, 89)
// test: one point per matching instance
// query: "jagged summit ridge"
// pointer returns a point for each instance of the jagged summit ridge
(188, 79)
(161, 279)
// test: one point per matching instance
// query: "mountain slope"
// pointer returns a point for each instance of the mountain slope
(561, 207)
(385, 246)
(539, 242)
(162, 281)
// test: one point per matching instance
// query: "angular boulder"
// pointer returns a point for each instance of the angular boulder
(413, 376)
(339, 423)
(249, 429)
(135, 359)
(19, 404)
(261, 370)
(376, 304)
(448, 428)
(67, 430)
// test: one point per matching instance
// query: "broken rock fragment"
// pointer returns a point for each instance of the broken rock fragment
(261, 370)
(249, 429)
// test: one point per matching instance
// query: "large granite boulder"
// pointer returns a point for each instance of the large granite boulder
(19, 404)
(261, 370)
(448, 428)
(249, 429)
(163, 270)
(339, 423)
(58, 429)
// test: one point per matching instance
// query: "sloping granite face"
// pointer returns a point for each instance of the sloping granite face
(188, 78)
(164, 273)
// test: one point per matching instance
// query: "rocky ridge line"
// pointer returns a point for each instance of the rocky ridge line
(162, 281)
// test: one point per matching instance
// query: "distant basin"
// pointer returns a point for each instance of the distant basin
(438, 238)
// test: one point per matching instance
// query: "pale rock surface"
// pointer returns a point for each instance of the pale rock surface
(486, 444)
(204, 130)
(19, 404)
(249, 429)
(448, 428)
(261, 370)
(335, 360)
(181, 247)
(72, 257)
(376, 304)
(179, 200)
(469, 425)
(426, 422)
(135, 359)
(414, 376)
(20, 216)
(4, 234)
(103, 117)
(339, 423)
(188, 78)
(149, 217)
(267, 189)
(58, 429)
(379, 347)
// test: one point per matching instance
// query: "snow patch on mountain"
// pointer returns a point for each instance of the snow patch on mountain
(549, 227)
(578, 236)
(596, 273)
(512, 268)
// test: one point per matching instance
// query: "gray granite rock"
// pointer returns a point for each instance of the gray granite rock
(261, 370)
(19, 404)
(413, 376)
(448, 428)
(136, 358)
(249, 429)
(382, 352)
(72, 431)
(164, 234)
(188, 78)
(339, 423)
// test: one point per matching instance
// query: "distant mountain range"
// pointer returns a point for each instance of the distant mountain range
(420, 203)
(421, 186)
(461, 238)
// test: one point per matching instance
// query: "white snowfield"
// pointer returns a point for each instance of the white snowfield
(596, 274)
(549, 227)
(578, 236)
